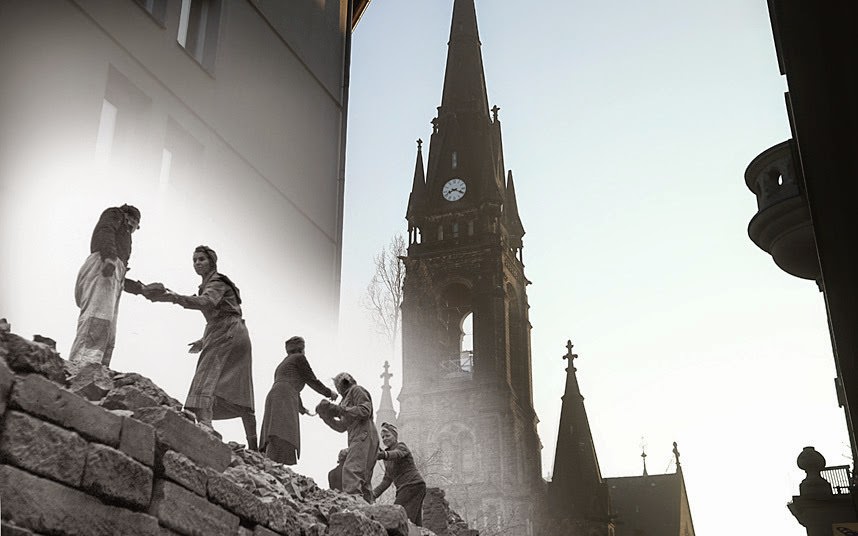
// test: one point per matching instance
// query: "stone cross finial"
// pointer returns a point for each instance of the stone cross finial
(569, 355)
(643, 457)
(495, 110)
(419, 148)
(676, 455)
(386, 375)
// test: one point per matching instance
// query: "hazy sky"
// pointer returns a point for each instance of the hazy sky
(628, 126)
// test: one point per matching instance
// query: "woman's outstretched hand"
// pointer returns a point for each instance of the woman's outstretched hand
(195, 347)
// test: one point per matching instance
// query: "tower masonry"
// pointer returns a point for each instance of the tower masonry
(466, 402)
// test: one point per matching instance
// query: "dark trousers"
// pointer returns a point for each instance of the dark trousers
(411, 497)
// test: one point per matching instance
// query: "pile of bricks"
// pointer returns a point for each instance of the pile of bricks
(92, 452)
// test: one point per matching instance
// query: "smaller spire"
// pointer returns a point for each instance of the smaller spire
(418, 185)
(510, 213)
(643, 457)
(386, 412)
(495, 110)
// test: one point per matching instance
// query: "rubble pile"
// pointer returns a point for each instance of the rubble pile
(85, 450)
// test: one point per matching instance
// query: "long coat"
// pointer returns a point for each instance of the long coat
(354, 416)
(225, 364)
(283, 403)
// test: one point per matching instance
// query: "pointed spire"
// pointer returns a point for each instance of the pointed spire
(510, 209)
(464, 78)
(386, 412)
(643, 457)
(577, 487)
(418, 185)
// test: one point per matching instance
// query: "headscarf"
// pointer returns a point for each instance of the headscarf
(132, 210)
(390, 428)
(344, 377)
(294, 343)
(212, 255)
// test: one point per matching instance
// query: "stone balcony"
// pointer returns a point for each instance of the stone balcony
(782, 226)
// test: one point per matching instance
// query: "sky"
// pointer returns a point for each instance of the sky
(628, 126)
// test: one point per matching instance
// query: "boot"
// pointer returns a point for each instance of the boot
(249, 422)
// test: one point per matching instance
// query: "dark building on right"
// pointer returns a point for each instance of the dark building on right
(807, 190)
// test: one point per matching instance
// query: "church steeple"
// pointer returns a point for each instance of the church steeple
(464, 79)
(386, 412)
(577, 488)
(510, 212)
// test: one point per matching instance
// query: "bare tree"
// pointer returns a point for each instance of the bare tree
(383, 294)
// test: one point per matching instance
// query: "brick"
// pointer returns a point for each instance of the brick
(115, 476)
(7, 377)
(354, 524)
(173, 431)
(25, 356)
(137, 439)
(91, 381)
(180, 469)
(186, 513)
(43, 448)
(244, 531)
(40, 397)
(236, 499)
(48, 507)
(128, 397)
(392, 517)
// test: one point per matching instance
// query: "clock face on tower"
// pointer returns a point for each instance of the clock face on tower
(454, 189)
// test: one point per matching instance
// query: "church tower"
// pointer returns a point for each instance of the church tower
(466, 402)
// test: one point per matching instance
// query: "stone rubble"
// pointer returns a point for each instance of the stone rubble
(82, 443)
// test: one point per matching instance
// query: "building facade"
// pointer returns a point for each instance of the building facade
(224, 121)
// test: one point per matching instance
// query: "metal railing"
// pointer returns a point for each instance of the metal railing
(839, 477)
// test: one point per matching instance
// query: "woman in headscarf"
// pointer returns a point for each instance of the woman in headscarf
(280, 437)
(354, 415)
(222, 387)
(400, 470)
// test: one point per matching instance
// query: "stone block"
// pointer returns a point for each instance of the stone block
(282, 519)
(259, 530)
(392, 517)
(137, 439)
(42, 398)
(244, 531)
(354, 524)
(236, 499)
(178, 468)
(435, 510)
(115, 476)
(91, 381)
(47, 507)
(173, 431)
(128, 397)
(186, 513)
(7, 377)
(25, 356)
(12, 530)
(147, 387)
(43, 448)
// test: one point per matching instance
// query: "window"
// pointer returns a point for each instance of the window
(123, 129)
(180, 156)
(471, 228)
(156, 8)
(440, 232)
(199, 22)
(455, 160)
(455, 230)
